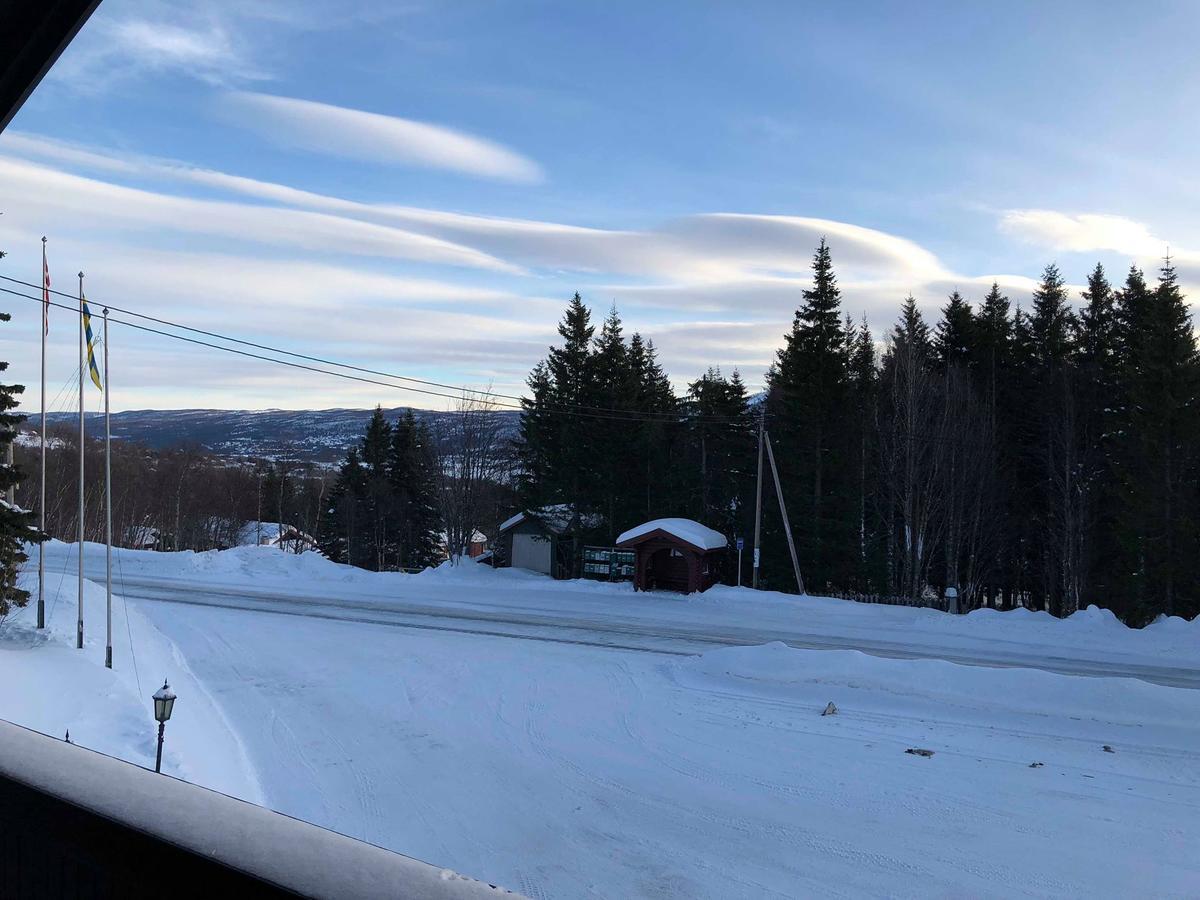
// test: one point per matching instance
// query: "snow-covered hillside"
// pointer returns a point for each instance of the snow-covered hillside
(527, 754)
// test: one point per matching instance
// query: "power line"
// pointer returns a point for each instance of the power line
(485, 398)
(623, 414)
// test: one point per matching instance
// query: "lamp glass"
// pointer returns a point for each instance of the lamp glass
(164, 702)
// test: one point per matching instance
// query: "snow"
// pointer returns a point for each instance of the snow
(296, 856)
(688, 531)
(562, 769)
(511, 521)
(110, 710)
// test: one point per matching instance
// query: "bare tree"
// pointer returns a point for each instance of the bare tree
(472, 459)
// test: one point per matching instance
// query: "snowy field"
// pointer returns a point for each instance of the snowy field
(469, 718)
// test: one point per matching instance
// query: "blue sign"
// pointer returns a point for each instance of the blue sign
(741, 543)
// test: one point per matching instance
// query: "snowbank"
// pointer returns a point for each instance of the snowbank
(60, 688)
(776, 669)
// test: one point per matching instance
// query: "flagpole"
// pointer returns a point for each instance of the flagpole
(41, 606)
(108, 505)
(82, 367)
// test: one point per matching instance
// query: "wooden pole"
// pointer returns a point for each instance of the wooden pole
(758, 493)
(41, 604)
(787, 528)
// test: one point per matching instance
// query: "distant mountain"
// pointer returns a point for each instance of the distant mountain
(320, 435)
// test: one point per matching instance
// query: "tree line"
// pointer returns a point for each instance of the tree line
(179, 498)
(408, 496)
(1045, 457)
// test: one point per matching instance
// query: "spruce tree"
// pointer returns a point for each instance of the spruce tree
(1099, 385)
(608, 443)
(411, 476)
(1160, 447)
(954, 343)
(17, 526)
(807, 393)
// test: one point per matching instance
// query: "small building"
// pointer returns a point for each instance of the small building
(473, 549)
(272, 534)
(544, 540)
(674, 555)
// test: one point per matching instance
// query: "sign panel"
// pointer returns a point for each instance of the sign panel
(741, 543)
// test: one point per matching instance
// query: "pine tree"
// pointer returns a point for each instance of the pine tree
(1053, 448)
(909, 414)
(1052, 325)
(1099, 383)
(411, 479)
(954, 343)
(1159, 447)
(608, 441)
(340, 538)
(863, 454)
(569, 386)
(721, 435)
(17, 526)
(807, 393)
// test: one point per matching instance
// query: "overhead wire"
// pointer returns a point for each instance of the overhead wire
(487, 396)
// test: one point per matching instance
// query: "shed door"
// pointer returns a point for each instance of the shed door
(531, 551)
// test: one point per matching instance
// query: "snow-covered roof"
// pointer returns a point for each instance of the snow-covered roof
(248, 534)
(511, 521)
(690, 532)
(556, 517)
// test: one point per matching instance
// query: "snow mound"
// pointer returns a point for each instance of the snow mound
(777, 670)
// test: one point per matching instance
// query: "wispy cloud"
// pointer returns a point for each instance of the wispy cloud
(373, 137)
(33, 190)
(114, 50)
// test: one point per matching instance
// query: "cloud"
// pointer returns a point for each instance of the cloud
(110, 51)
(480, 307)
(1081, 232)
(356, 134)
(49, 194)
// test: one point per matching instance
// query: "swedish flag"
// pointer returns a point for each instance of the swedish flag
(91, 344)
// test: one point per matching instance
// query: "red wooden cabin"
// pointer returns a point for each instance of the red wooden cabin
(674, 555)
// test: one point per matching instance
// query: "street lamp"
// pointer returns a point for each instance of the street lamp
(164, 702)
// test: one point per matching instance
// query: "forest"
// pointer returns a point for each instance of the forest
(1042, 457)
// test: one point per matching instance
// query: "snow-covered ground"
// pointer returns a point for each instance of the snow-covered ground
(569, 770)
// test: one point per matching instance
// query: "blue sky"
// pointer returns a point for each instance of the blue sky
(420, 189)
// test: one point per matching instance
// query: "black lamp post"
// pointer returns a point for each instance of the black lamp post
(164, 702)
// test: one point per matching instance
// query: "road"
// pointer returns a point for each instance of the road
(606, 629)
(566, 741)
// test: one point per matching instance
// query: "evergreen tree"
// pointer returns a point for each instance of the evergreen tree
(808, 387)
(863, 455)
(722, 444)
(1159, 452)
(955, 340)
(17, 526)
(340, 537)
(991, 361)
(1099, 384)
(412, 481)
(608, 442)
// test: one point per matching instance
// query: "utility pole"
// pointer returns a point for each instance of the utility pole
(762, 415)
(41, 604)
(787, 528)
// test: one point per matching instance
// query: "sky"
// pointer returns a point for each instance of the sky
(419, 188)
